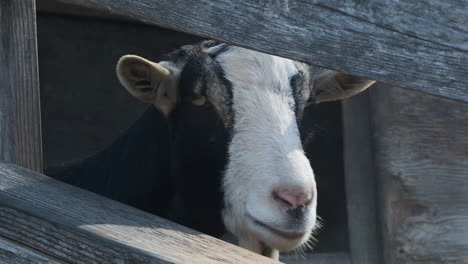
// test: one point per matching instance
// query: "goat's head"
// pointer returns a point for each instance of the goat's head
(269, 189)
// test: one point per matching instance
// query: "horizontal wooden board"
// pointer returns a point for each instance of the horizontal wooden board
(14, 253)
(55, 7)
(81, 227)
(420, 45)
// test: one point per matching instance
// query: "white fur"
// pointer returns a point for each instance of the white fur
(265, 152)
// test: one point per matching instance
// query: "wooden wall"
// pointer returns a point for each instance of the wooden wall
(419, 168)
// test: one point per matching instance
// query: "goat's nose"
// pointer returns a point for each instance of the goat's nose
(293, 197)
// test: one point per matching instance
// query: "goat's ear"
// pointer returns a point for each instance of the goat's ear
(330, 86)
(148, 81)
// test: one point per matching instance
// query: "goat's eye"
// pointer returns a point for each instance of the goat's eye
(199, 100)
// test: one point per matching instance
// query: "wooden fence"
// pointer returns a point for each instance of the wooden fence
(406, 152)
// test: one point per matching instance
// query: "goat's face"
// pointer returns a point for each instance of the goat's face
(270, 195)
(269, 187)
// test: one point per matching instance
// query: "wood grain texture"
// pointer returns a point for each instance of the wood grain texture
(51, 7)
(80, 227)
(13, 253)
(20, 122)
(416, 45)
(361, 190)
(421, 158)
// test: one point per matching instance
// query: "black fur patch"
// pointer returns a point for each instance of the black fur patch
(297, 85)
(222, 49)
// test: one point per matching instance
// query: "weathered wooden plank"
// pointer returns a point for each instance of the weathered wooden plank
(398, 42)
(420, 145)
(360, 181)
(20, 128)
(50, 7)
(14, 253)
(82, 227)
(442, 22)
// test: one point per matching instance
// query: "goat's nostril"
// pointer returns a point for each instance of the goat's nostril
(292, 198)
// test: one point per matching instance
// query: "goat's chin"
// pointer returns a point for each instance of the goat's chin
(276, 238)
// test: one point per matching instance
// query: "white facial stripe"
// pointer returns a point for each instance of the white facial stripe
(261, 89)
(265, 152)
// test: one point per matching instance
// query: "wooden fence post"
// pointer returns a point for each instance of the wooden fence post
(360, 180)
(20, 112)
